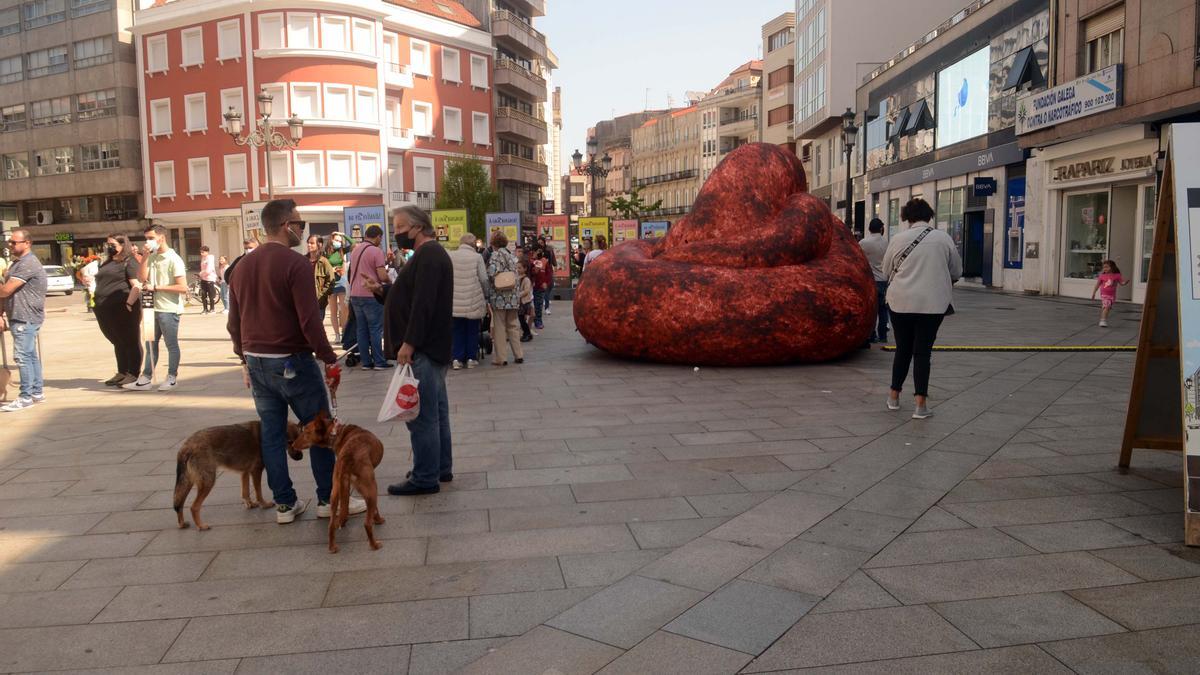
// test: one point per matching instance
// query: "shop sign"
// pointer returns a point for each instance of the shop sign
(449, 226)
(1085, 96)
(64, 238)
(508, 223)
(252, 221)
(547, 206)
(1103, 166)
(1001, 155)
(984, 187)
(356, 220)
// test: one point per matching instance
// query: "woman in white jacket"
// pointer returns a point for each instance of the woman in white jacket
(470, 304)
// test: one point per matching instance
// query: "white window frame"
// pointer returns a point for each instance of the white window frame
(425, 163)
(475, 117)
(318, 111)
(359, 94)
(329, 21)
(279, 30)
(367, 49)
(154, 65)
(240, 107)
(349, 101)
(425, 66)
(188, 34)
(245, 171)
(297, 155)
(477, 59)
(159, 192)
(453, 73)
(391, 49)
(226, 51)
(446, 135)
(188, 99)
(368, 179)
(155, 105)
(194, 166)
(280, 106)
(427, 132)
(286, 158)
(309, 21)
(340, 155)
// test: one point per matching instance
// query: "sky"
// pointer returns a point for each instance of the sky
(614, 55)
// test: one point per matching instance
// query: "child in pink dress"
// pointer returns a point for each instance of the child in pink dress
(1107, 282)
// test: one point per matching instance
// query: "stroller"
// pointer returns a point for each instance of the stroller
(350, 343)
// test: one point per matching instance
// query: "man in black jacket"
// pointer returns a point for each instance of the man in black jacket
(418, 328)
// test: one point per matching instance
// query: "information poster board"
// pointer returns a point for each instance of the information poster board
(356, 220)
(655, 229)
(554, 229)
(449, 226)
(252, 227)
(624, 229)
(508, 223)
(590, 228)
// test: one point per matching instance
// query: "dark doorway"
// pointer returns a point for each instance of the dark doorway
(973, 245)
(860, 218)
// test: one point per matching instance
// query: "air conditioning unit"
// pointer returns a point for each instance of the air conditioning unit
(45, 217)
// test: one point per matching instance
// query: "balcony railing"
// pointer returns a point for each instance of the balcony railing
(666, 177)
(741, 117)
(669, 211)
(424, 200)
(533, 40)
(514, 160)
(509, 64)
(513, 113)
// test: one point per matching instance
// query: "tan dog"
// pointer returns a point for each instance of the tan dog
(358, 452)
(5, 372)
(237, 447)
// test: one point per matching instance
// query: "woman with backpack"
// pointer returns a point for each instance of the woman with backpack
(504, 297)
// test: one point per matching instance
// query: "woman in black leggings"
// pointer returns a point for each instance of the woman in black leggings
(119, 320)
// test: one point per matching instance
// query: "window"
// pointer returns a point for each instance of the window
(337, 102)
(301, 30)
(50, 112)
(781, 39)
(198, 180)
(369, 174)
(364, 37)
(54, 161)
(96, 104)
(308, 171)
(229, 40)
(1104, 39)
(10, 21)
(164, 180)
(12, 118)
(780, 76)
(481, 134)
(98, 156)
(193, 47)
(160, 117)
(10, 70)
(811, 41)
(16, 166)
(306, 101)
(335, 33)
(235, 174)
(270, 31)
(93, 52)
(279, 104)
(231, 99)
(195, 111)
(451, 65)
(341, 169)
(451, 124)
(391, 49)
(156, 54)
(86, 7)
(366, 107)
(281, 169)
(423, 176)
(479, 71)
(46, 61)
(419, 57)
(422, 119)
(44, 12)
(1086, 233)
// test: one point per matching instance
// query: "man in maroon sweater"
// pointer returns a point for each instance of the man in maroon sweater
(276, 328)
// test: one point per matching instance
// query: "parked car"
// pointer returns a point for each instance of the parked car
(59, 280)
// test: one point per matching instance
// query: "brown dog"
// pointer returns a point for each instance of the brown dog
(237, 447)
(358, 452)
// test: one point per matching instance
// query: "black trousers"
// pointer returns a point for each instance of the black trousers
(915, 335)
(123, 329)
(208, 295)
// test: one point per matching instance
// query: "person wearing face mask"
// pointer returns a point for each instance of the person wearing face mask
(118, 311)
(163, 274)
(339, 310)
(248, 246)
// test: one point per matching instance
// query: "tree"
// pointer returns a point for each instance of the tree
(633, 207)
(466, 185)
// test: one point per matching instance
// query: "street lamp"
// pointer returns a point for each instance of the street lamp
(849, 135)
(263, 134)
(593, 169)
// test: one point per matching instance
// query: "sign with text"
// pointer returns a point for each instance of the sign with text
(508, 223)
(356, 220)
(590, 228)
(1085, 96)
(554, 229)
(984, 187)
(547, 206)
(252, 221)
(449, 226)
(624, 229)
(655, 229)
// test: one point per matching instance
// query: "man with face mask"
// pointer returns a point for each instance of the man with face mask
(163, 274)
(248, 246)
(275, 324)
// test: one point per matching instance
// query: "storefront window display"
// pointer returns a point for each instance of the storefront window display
(893, 221)
(1086, 218)
(1147, 231)
(950, 206)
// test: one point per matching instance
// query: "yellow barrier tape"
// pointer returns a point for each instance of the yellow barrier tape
(1026, 348)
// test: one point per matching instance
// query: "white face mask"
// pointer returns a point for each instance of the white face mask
(152, 245)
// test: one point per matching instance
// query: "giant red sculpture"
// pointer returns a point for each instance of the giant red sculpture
(760, 272)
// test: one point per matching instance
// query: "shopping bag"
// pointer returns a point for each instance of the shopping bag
(403, 400)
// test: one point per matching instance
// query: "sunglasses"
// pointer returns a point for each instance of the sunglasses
(297, 223)
(17, 241)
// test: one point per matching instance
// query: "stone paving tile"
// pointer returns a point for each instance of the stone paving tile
(1154, 563)
(220, 667)
(1003, 661)
(995, 577)
(743, 616)
(770, 482)
(805, 567)
(935, 470)
(593, 513)
(729, 505)
(553, 460)
(11, 491)
(626, 612)
(474, 500)
(1046, 510)
(1155, 604)
(672, 533)
(937, 519)
(530, 543)
(897, 500)
(85, 472)
(148, 569)
(776, 521)
(1021, 619)
(604, 569)
(656, 488)
(1160, 529)
(17, 578)
(922, 548)
(858, 592)
(435, 658)
(52, 608)
(213, 598)
(669, 654)
(83, 547)
(513, 614)
(703, 468)
(867, 635)
(858, 530)
(552, 650)
(1073, 536)
(314, 558)
(745, 449)
(49, 526)
(95, 646)
(1169, 650)
(443, 581)
(372, 660)
(704, 563)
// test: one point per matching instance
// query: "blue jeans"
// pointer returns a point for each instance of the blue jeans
(881, 329)
(430, 432)
(166, 328)
(368, 316)
(549, 291)
(225, 296)
(540, 298)
(466, 339)
(306, 395)
(25, 351)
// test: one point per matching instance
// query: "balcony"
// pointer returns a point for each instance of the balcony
(397, 75)
(738, 122)
(400, 138)
(518, 79)
(670, 211)
(509, 30)
(424, 200)
(666, 177)
(522, 125)
(531, 7)
(521, 170)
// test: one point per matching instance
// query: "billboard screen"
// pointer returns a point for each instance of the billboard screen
(962, 99)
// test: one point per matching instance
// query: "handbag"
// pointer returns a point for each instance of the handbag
(506, 280)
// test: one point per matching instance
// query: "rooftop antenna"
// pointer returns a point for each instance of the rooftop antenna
(670, 101)
(647, 105)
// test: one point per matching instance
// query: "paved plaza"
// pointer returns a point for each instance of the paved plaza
(617, 517)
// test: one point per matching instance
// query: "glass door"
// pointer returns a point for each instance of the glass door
(1085, 216)
(1145, 245)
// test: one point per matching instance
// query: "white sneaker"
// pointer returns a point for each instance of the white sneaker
(456, 365)
(1103, 323)
(285, 514)
(39, 398)
(142, 384)
(921, 413)
(547, 310)
(18, 404)
(357, 506)
(471, 363)
(169, 384)
(893, 403)
(224, 311)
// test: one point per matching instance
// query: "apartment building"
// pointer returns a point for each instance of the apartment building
(574, 198)
(620, 178)
(779, 95)
(666, 162)
(388, 94)
(613, 137)
(70, 166)
(554, 152)
(729, 115)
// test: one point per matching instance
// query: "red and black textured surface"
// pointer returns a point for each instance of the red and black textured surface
(760, 272)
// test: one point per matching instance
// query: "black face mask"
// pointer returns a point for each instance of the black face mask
(110, 250)
(405, 241)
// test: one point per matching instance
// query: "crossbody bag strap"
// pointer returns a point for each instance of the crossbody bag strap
(905, 253)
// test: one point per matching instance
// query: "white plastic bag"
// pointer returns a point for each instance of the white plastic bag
(403, 400)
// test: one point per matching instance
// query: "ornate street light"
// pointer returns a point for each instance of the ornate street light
(849, 136)
(263, 134)
(593, 169)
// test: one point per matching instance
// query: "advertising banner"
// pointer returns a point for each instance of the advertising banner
(624, 229)
(655, 229)
(1085, 96)
(450, 225)
(554, 229)
(356, 220)
(252, 221)
(508, 223)
(590, 228)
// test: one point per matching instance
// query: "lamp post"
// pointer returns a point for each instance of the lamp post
(263, 135)
(593, 169)
(849, 136)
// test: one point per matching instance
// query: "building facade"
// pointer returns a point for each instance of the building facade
(729, 115)
(389, 94)
(779, 94)
(574, 197)
(666, 162)
(554, 153)
(69, 137)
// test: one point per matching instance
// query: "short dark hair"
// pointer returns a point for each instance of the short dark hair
(917, 210)
(499, 241)
(156, 229)
(205, 248)
(373, 231)
(275, 214)
(876, 226)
